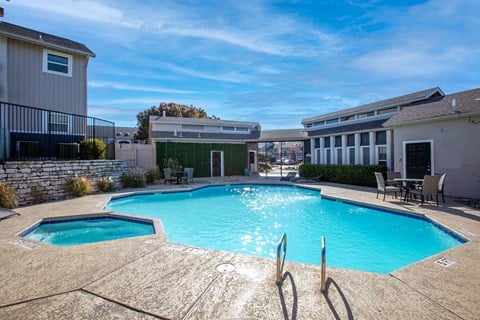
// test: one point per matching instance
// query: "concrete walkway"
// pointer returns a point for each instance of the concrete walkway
(151, 278)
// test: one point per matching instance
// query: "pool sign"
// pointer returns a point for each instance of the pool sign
(445, 262)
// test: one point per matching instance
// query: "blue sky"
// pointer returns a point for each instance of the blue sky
(275, 62)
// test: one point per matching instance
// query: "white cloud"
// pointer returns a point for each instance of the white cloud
(132, 87)
(230, 76)
(83, 9)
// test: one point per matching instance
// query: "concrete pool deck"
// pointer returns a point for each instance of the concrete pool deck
(151, 278)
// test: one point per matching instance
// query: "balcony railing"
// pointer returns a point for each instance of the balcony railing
(28, 133)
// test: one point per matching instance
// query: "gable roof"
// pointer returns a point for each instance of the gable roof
(466, 103)
(282, 135)
(44, 39)
(407, 99)
(204, 121)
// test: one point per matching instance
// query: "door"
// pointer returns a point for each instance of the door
(418, 157)
(217, 164)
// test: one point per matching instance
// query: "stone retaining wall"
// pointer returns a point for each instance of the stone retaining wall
(41, 181)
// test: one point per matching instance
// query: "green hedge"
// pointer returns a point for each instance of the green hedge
(197, 156)
(360, 175)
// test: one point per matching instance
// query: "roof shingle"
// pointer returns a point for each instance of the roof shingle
(466, 103)
(45, 39)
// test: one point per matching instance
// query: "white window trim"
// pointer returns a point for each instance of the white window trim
(328, 155)
(235, 130)
(337, 149)
(46, 52)
(377, 153)
(354, 153)
(362, 151)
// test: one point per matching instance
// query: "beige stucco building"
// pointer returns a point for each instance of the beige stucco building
(449, 131)
(418, 134)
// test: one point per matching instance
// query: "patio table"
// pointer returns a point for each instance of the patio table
(408, 184)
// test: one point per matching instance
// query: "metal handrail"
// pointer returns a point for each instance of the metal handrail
(324, 265)
(283, 240)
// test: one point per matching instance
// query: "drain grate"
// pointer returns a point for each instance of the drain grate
(444, 262)
(225, 267)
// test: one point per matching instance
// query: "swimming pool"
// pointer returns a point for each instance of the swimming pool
(73, 231)
(251, 218)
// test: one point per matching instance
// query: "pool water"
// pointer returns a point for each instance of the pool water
(87, 230)
(250, 219)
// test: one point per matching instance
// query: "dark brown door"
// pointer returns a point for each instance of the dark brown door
(216, 164)
(418, 160)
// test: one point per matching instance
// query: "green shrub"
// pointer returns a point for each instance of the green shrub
(8, 199)
(133, 179)
(360, 175)
(105, 184)
(152, 174)
(92, 149)
(172, 164)
(78, 186)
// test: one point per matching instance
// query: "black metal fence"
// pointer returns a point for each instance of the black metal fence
(28, 133)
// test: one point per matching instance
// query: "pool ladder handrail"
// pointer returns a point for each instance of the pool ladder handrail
(283, 241)
(323, 286)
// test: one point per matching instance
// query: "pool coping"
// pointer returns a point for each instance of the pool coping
(419, 291)
(156, 224)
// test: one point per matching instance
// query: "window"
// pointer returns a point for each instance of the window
(338, 141)
(58, 122)
(368, 114)
(57, 63)
(382, 155)
(364, 139)
(317, 142)
(192, 127)
(389, 110)
(326, 142)
(332, 121)
(381, 137)
(237, 129)
(327, 156)
(318, 124)
(365, 155)
(339, 156)
(350, 140)
(351, 155)
(347, 118)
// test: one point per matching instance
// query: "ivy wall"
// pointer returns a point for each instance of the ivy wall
(198, 156)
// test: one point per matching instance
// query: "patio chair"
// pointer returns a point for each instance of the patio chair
(441, 186)
(429, 188)
(6, 213)
(382, 187)
(289, 176)
(189, 174)
(391, 176)
(167, 172)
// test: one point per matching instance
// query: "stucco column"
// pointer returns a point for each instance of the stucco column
(390, 165)
(313, 152)
(322, 151)
(357, 149)
(372, 147)
(344, 149)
